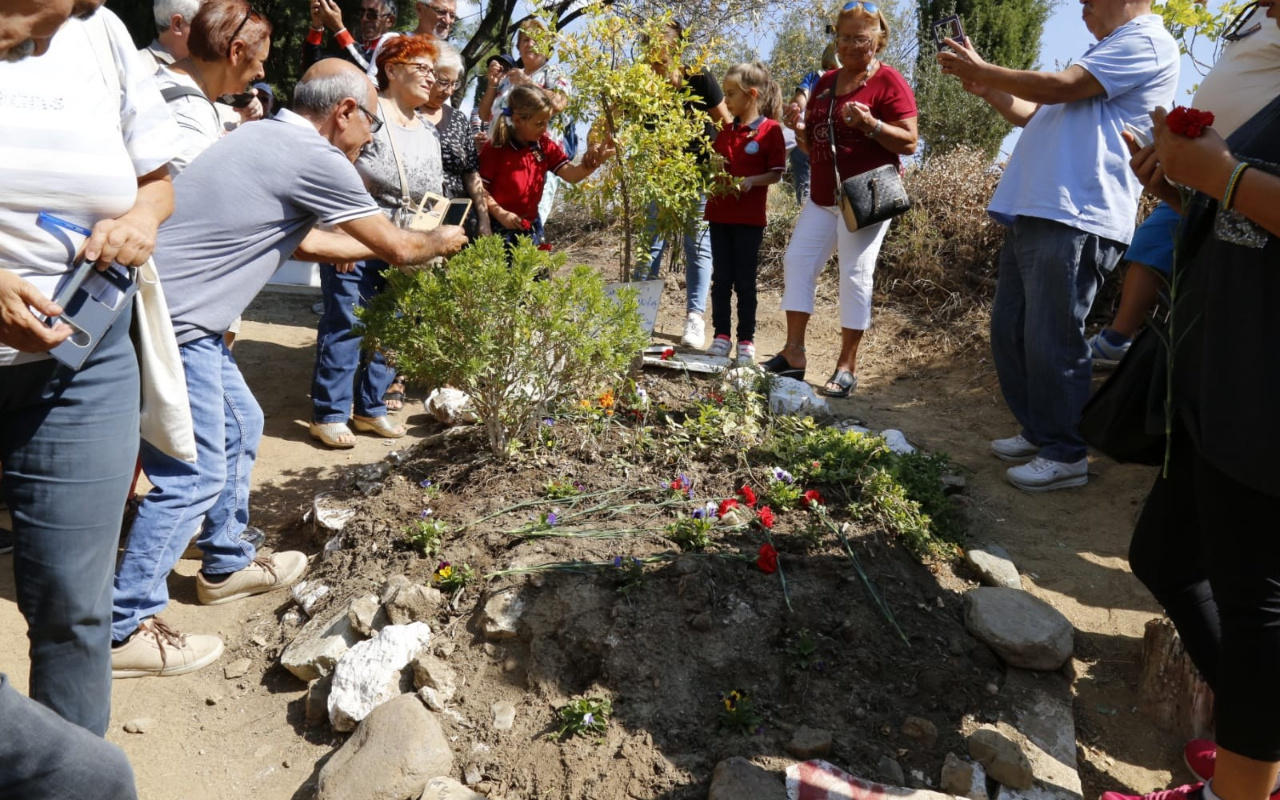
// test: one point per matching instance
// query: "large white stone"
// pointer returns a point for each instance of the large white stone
(316, 649)
(369, 674)
(790, 397)
(450, 406)
(1023, 630)
(500, 615)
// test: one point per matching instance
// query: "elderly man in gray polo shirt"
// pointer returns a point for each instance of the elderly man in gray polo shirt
(248, 203)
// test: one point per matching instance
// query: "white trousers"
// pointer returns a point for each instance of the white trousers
(819, 231)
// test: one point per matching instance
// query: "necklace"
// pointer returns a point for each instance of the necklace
(872, 68)
(396, 114)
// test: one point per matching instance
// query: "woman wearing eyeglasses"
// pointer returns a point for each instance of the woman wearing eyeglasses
(400, 164)
(872, 112)
(228, 44)
(457, 144)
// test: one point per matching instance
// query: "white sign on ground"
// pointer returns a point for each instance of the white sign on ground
(648, 295)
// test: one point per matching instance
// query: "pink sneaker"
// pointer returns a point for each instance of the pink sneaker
(1191, 792)
(1201, 756)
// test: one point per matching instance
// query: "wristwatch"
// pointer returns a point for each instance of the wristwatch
(874, 132)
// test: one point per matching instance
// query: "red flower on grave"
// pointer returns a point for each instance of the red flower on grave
(811, 498)
(748, 496)
(668, 353)
(725, 505)
(526, 225)
(766, 517)
(546, 247)
(767, 561)
(1188, 122)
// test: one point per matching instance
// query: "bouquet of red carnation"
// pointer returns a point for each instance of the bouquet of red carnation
(1188, 122)
(767, 560)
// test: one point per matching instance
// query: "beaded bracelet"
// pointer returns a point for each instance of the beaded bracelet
(1229, 197)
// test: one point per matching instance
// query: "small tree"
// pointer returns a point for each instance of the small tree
(643, 113)
(1198, 30)
(517, 344)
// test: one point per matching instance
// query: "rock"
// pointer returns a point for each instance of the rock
(957, 776)
(237, 669)
(140, 725)
(471, 774)
(701, 622)
(738, 779)
(392, 585)
(741, 379)
(213, 700)
(993, 565)
(953, 483)
(504, 715)
(316, 649)
(331, 548)
(331, 512)
(1045, 731)
(443, 788)
(364, 616)
(807, 743)
(1023, 630)
(450, 406)
(391, 755)
(415, 603)
(921, 731)
(316, 705)
(307, 594)
(1002, 758)
(790, 397)
(435, 680)
(500, 615)
(896, 441)
(369, 674)
(890, 771)
(1170, 690)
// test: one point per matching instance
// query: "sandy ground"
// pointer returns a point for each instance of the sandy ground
(217, 737)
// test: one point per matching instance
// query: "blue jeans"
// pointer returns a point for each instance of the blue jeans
(342, 367)
(1049, 274)
(211, 495)
(697, 256)
(69, 443)
(800, 173)
(44, 757)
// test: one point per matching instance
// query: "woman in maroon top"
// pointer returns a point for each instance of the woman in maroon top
(874, 122)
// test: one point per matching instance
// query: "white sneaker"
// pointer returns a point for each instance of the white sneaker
(746, 353)
(1015, 448)
(695, 331)
(1043, 475)
(720, 347)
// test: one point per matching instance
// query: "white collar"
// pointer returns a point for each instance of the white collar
(285, 115)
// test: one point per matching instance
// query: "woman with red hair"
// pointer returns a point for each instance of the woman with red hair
(402, 163)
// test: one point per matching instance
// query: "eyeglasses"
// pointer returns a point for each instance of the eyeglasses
(249, 12)
(421, 69)
(1234, 32)
(373, 13)
(445, 84)
(375, 124)
(869, 7)
(855, 41)
(442, 12)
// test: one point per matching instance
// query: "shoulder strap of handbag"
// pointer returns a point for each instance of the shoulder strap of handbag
(831, 130)
(171, 93)
(405, 200)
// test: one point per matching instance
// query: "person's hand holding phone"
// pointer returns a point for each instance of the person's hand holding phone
(961, 60)
(330, 15)
(21, 329)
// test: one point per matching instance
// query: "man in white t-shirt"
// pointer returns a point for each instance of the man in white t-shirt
(1069, 200)
(68, 438)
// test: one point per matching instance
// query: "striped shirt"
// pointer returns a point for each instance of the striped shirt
(73, 145)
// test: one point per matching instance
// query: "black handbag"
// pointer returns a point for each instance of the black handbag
(870, 197)
(1119, 419)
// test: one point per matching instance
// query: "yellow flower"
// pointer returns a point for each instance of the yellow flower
(606, 399)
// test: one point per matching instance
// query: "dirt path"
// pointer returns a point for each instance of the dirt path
(217, 737)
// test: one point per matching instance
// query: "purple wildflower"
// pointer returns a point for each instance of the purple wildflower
(425, 484)
(617, 562)
(588, 719)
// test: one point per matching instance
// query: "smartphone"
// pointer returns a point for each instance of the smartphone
(948, 28)
(457, 211)
(241, 100)
(91, 300)
(1142, 137)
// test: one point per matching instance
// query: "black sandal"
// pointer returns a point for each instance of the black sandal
(778, 365)
(842, 378)
(394, 394)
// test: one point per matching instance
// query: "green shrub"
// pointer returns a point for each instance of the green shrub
(516, 344)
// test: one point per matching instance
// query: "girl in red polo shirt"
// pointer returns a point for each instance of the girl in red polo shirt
(515, 161)
(755, 154)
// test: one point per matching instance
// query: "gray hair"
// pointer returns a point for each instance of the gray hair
(389, 7)
(318, 96)
(163, 10)
(447, 57)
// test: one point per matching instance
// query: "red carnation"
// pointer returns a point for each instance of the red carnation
(766, 516)
(526, 225)
(767, 561)
(748, 496)
(725, 505)
(811, 498)
(668, 353)
(1188, 122)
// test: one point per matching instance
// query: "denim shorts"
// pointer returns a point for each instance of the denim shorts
(1153, 241)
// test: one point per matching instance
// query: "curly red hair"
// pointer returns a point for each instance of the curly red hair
(402, 49)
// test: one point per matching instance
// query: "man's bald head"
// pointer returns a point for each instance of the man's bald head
(328, 83)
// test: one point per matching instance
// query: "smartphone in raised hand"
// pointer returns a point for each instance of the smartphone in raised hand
(948, 28)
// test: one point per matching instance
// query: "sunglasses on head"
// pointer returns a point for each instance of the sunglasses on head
(870, 8)
(249, 12)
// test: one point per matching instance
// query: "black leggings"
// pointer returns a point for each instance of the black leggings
(735, 259)
(1208, 548)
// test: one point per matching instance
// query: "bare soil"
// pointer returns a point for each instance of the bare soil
(648, 650)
